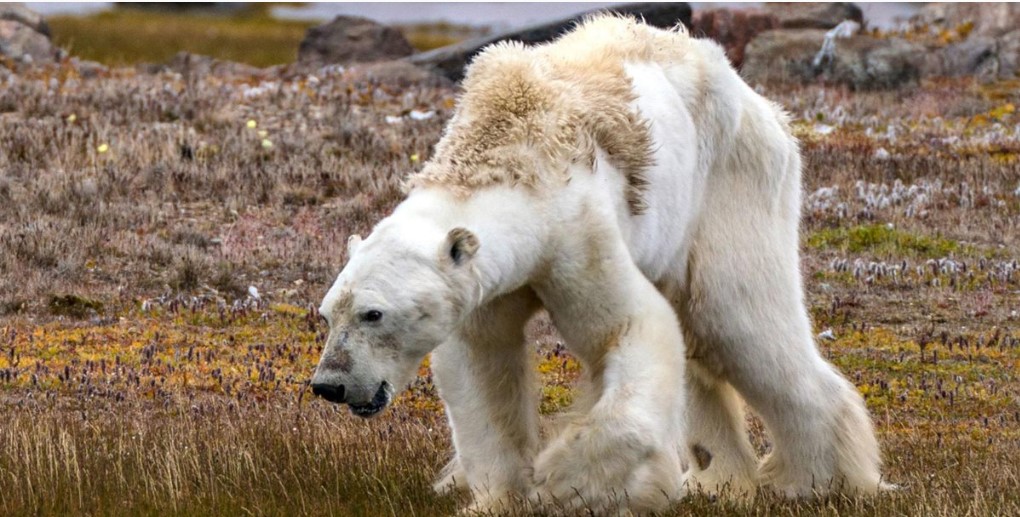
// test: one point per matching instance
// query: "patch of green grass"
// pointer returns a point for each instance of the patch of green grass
(127, 36)
(882, 241)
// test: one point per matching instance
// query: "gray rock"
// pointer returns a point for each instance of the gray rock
(872, 63)
(861, 62)
(985, 57)
(814, 15)
(89, 69)
(976, 55)
(782, 56)
(398, 73)
(450, 61)
(24, 45)
(351, 39)
(195, 65)
(17, 12)
(1008, 54)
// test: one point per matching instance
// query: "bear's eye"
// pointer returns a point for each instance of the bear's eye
(371, 316)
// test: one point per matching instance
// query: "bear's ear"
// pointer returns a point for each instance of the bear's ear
(461, 245)
(352, 244)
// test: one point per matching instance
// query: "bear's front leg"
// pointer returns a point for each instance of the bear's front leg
(486, 379)
(624, 450)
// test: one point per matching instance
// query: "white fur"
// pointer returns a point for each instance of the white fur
(713, 262)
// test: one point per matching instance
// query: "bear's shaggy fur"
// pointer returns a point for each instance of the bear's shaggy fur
(627, 181)
(524, 118)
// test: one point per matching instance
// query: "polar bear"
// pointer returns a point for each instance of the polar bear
(625, 179)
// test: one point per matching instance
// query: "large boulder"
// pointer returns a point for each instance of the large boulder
(732, 28)
(23, 45)
(450, 61)
(814, 15)
(24, 36)
(352, 39)
(17, 12)
(860, 61)
(976, 55)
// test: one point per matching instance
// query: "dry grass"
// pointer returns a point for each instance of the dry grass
(137, 376)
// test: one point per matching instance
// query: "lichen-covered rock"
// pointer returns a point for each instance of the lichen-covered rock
(822, 15)
(988, 19)
(351, 39)
(732, 28)
(860, 61)
(984, 57)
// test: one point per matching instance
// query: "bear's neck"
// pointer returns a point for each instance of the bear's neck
(508, 222)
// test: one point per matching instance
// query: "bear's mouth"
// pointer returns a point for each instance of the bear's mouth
(379, 401)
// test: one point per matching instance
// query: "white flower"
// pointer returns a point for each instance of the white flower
(824, 129)
(422, 115)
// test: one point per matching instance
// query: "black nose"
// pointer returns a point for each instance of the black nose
(329, 392)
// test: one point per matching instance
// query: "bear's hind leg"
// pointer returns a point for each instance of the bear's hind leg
(746, 301)
(722, 459)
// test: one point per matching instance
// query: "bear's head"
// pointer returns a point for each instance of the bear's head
(402, 293)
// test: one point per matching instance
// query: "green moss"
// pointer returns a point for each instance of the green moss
(882, 241)
(74, 306)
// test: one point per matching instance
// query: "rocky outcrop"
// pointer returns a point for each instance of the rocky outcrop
(351, 39)
(987, 19)
(813, 15)
(732, 28)
(981, 39)
(16, 12)
(25, 37)
(450, 61)
(859, 61)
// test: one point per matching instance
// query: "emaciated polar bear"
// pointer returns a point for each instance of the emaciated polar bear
(628, 181)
